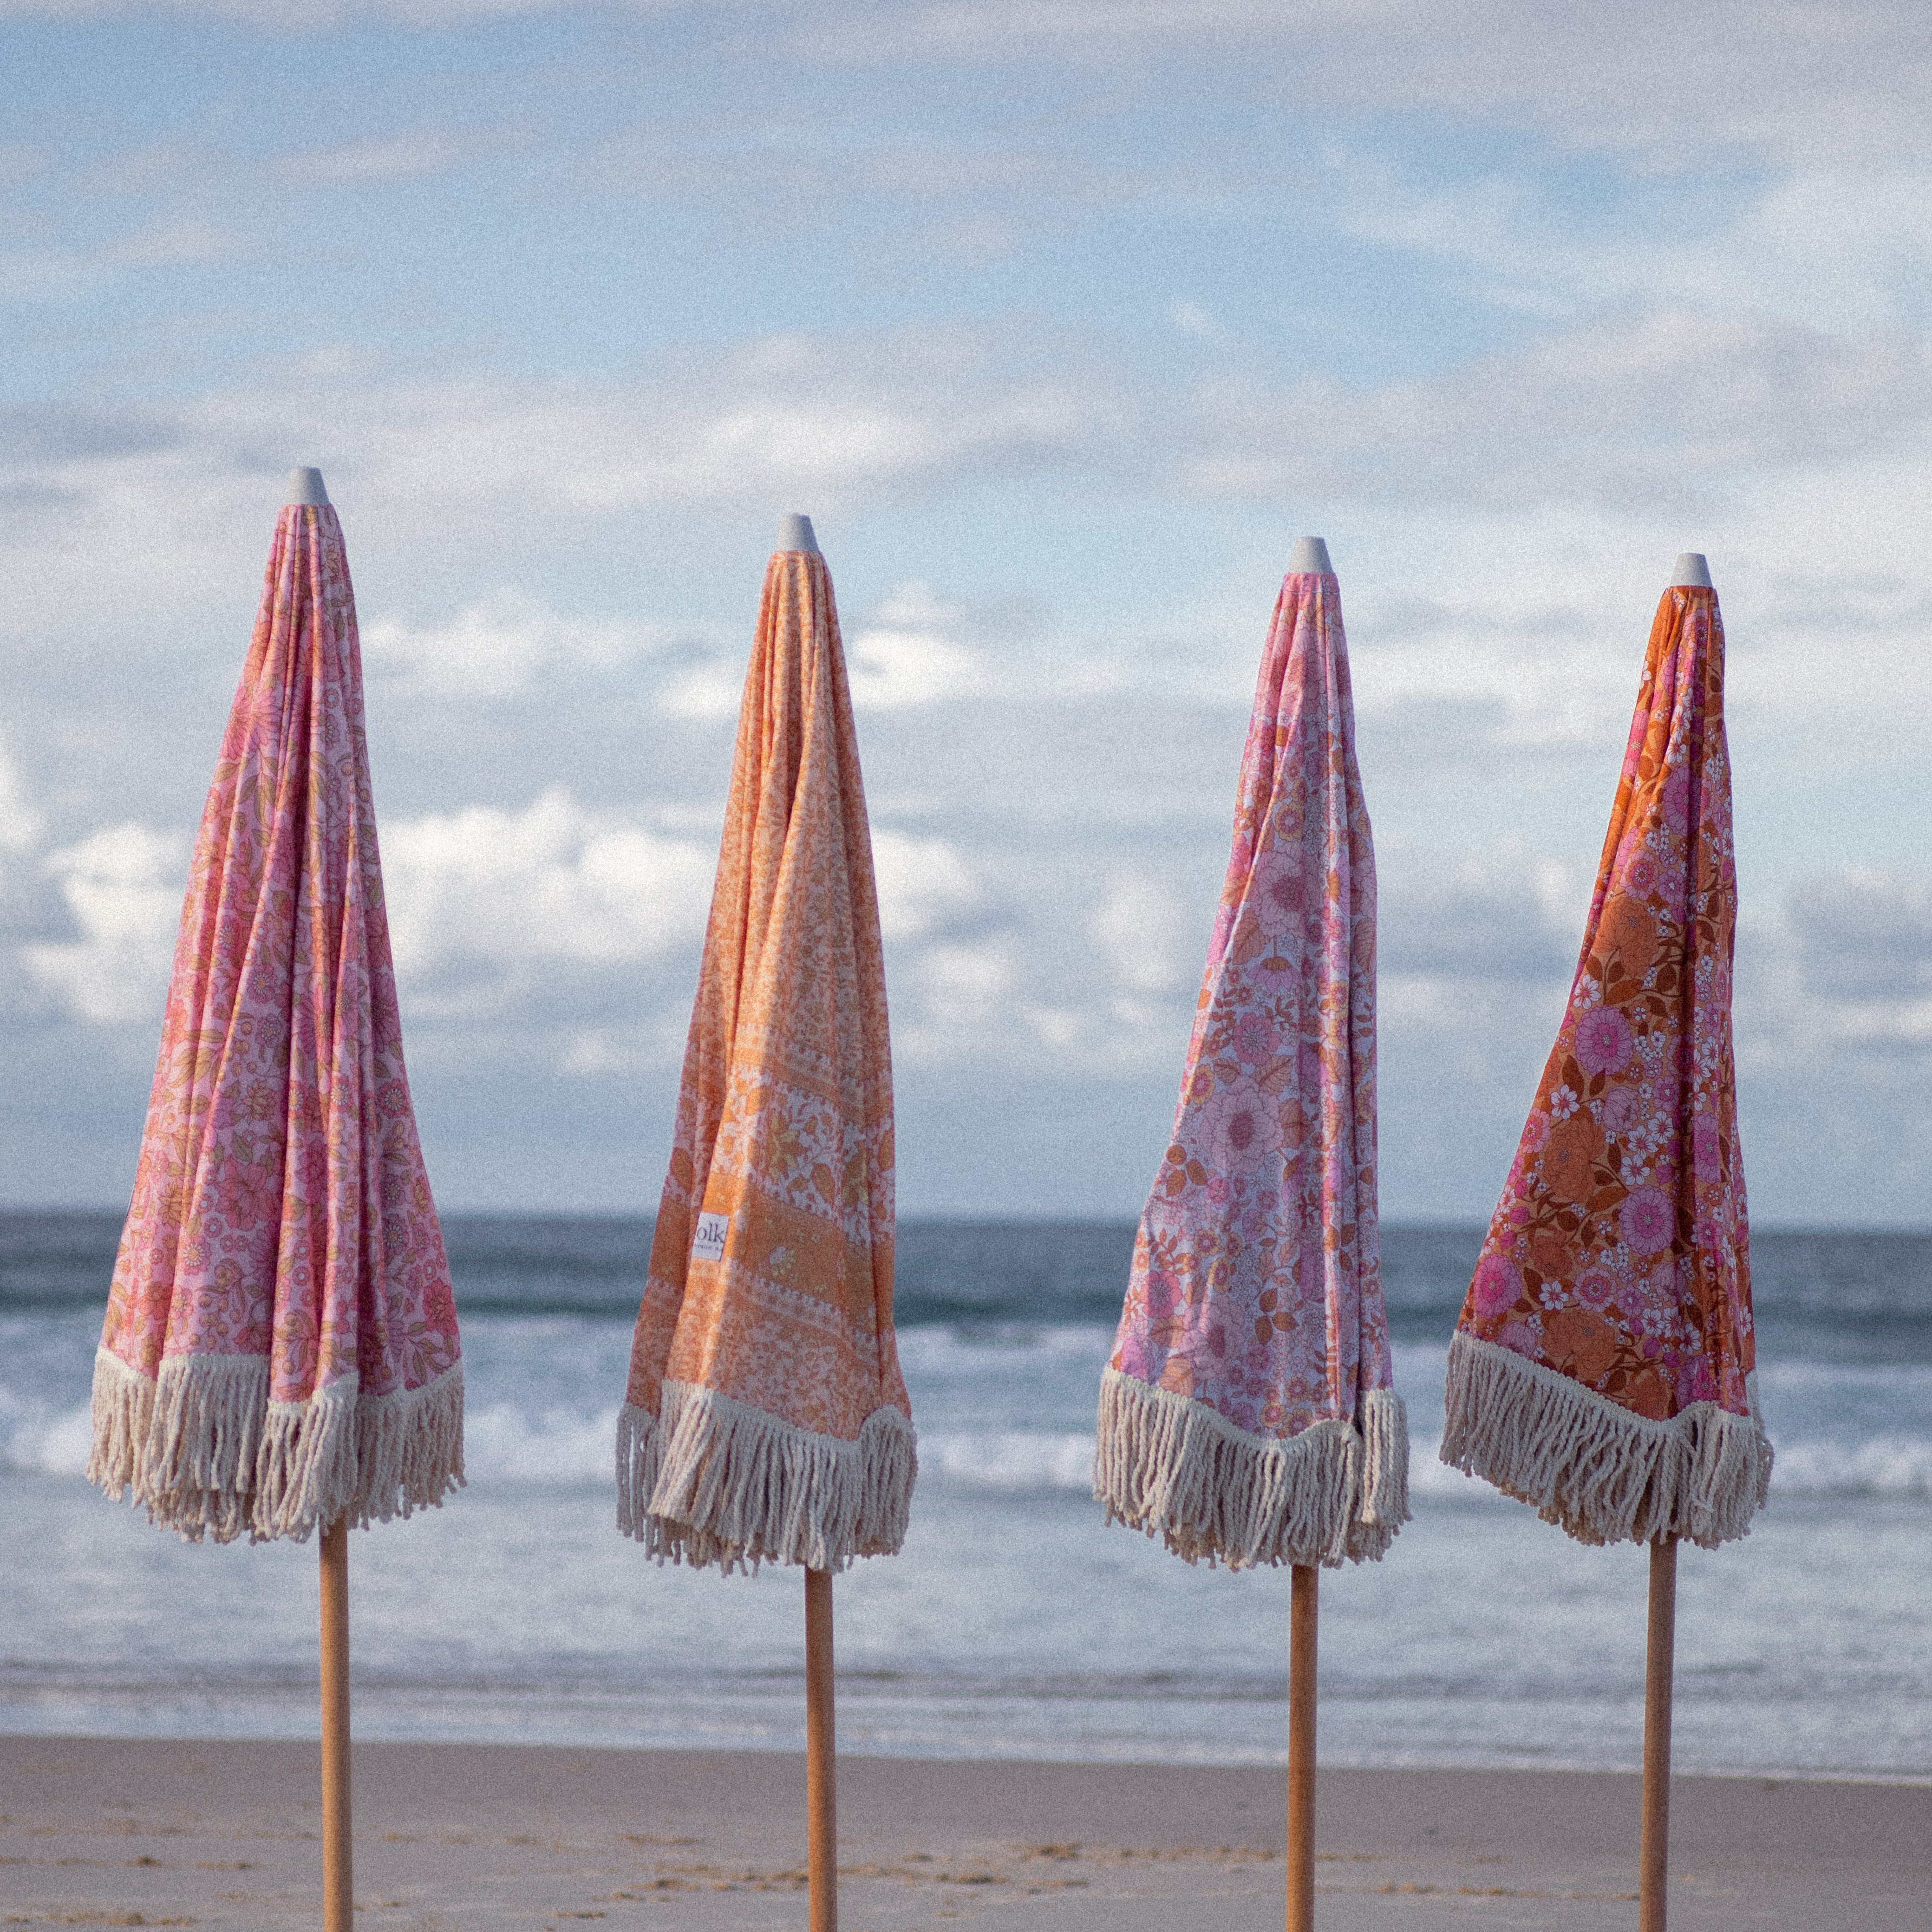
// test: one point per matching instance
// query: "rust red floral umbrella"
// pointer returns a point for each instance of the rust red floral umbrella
(1602, 1369)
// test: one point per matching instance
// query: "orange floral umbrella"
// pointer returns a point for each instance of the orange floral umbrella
(766, 1418)
(1602, 1366)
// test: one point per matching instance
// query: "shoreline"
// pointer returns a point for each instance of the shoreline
(529, 1836)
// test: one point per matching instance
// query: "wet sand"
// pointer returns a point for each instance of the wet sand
(96, 1832)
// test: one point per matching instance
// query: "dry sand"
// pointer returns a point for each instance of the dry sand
(96, 1832)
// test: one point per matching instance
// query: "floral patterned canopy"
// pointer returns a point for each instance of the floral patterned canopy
(1247, 1414)
(281, 1346)
(765, 1418)
(1602, 1369)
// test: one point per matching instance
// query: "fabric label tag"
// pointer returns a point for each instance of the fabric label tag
(709, 1243)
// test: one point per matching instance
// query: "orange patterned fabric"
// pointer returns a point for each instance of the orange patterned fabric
(766, 1416)
(1617, 1266)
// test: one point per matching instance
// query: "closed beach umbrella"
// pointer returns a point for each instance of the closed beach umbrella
(1602, 1367)
(280, 1352)
(766, 1420)
(1248, 1413)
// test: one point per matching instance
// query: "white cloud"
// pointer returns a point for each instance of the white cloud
(20, 821)
(555, 885)
(500, 647)
(1143, 931)
(123, 888)
(904, 658)
(924, 884)
(406, 156)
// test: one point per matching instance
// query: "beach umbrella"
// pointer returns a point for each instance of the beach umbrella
(1248, 1414)
(765, 1419)
(280, 1354)
(1602, 1368)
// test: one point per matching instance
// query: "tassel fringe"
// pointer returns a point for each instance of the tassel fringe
(710, 1480)
(206, 1452)
(1592, 1467)
(1170, 1465)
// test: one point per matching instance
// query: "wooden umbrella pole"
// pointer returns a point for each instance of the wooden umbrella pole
(1654, 1858)
(338, 1895)
(821, 1761)
(1303, 1617)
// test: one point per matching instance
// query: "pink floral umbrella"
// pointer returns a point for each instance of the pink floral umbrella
(1248, 1414)
(280, 1352)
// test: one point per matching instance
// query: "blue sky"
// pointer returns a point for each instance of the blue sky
(1062, 319)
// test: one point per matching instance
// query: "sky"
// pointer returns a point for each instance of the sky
(1062, 319)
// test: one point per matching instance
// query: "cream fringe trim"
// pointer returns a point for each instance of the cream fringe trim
(711, 1480)
(206, 1453)
(1592, 1467)
(1170, 1465)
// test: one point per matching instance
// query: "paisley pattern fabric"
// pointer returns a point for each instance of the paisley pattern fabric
(1617, 1265)
(1254, 1322)
(281, 1344)
(766, 1418)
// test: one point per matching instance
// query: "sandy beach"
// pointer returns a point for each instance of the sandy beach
(106, 1832)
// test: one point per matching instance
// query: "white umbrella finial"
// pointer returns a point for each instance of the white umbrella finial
(795, 533)
(305, 486)
(1310, 553)
(1691, 571)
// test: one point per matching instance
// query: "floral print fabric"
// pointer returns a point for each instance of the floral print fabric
(281, 1205)
(1618, 1254)
(768, 1305)
(1256, 1288)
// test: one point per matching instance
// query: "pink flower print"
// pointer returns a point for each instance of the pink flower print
(1254, 1038)
(1239, 1127)
(1695, 1381)
(1640, 875)
(1219, 1192)
(1603, 1041)
(1562, 1103)
(1497, 1284)
(1278, 895)
(1704, 1145)
(1595, 1288)
(1536, 1131)
(1647, 1221)
(1520, 1338)
(1676, 799)
(1617, 1111)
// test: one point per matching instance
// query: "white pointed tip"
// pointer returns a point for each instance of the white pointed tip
(1310, 553)
(795, 533)
(1692, 571)
(305, 487)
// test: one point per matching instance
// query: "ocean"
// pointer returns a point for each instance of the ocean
(1014, 1624)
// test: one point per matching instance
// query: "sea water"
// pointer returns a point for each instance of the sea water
(1015, 1623)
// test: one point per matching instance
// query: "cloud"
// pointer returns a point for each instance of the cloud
(1502, 915)
(409, 155)
(483, 901)
(925, 886)
(122, 885)
(903, 656)
(1144, 933)
(500, 647)
(1671, 407)
(1864, 935)
(21, 823)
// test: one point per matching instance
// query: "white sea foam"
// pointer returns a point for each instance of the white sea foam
(1013, 1460)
